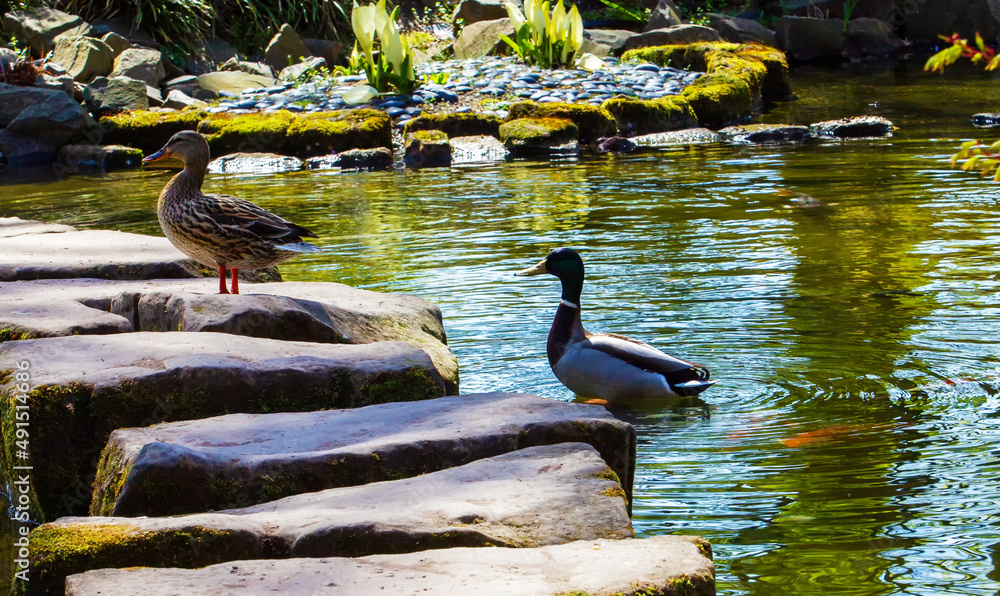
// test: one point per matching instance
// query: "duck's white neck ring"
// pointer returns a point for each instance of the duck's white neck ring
(569, 304)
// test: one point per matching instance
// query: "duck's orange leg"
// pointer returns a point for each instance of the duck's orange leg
(236, 281)
(222, 280)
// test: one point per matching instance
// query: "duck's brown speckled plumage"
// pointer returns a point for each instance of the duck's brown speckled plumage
(220, 230)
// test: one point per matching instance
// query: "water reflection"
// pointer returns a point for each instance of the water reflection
(846, 294)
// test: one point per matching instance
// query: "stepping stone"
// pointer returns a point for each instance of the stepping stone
(765, 133)
(667, 565)
(295, 311)
(855, 127)
(241, 459)
(27, 251)
(532, 497)
(83, 387)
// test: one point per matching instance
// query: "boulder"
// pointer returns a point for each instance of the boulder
(106, 96)
(106, 158)
(148, 131)
(477, 149)
(40, 26)
(379, 158)
(526, 137)
(591, 121)
(474, 11)
(646, 116)
(254, 163)
(613, 145)
(870, 37)
(7, 58)
(260, 69)
(322, 48)
(922, 22)
(739, 30)
(426, 149)
(806, 38)
(528, 498)
(309, 135)
(856, 127)
(664, 15)
(676, 35)
(141, 64)
(117, 43)
(457, 124)
(690, 136)
(605, 42)
(153, 97)
(86, 386)
(38, 122)
(293, 72)
(482, 38)
(83, 57)
(62, 83)
(233, 81)
(659, 565)
(721, 98)
(316, 312)
(209, 56)
(765, 133)
(178, 100)
(285, 48)
(272, 456)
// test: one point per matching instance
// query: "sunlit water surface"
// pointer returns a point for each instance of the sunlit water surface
(851, 445)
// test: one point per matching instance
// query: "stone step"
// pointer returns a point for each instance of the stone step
(295, 311)
(531, 497)
(663, 565)
(274, 455)
(30, 250)
(83, 387)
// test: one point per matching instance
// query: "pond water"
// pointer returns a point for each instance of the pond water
(851, 445)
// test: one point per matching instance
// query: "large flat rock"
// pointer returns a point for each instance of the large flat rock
(294, 311)
(83, 387)
(532, 497)
(36, 250)
(274, 455)
(663, 565)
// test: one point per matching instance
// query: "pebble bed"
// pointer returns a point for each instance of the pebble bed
(447, 81)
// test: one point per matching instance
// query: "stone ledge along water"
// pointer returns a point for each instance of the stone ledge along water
(667, 565)
(532, 497)
(83, 387)
(275, 455)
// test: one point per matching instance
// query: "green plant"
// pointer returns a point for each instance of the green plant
(438, 78)
(849, 6)
(637, 14)
(542, 39)
(392, 65)
(980, 157)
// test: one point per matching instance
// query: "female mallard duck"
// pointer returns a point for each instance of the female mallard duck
(603, 365)
(220, 230)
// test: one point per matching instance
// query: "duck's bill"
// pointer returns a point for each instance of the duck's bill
(536, 270)
(161, 154)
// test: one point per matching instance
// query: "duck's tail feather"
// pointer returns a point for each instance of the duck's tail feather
(299, 247)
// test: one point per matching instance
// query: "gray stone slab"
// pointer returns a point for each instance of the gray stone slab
(295, 311)
(274, 455)
(532, 497)
(663, 565)
(83, 387)
(15, 226)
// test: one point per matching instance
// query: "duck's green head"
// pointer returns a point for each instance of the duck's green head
(564, 263)
(187, 146)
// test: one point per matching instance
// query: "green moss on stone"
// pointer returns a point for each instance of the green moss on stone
(719, 98)
(704, 547)
(457, 125)
(685, 56)
(415, 384)
(148, 131)
(647, 116)
(427, 136)
(592, 121)
(333, 132)
(250, 133)
(59, 551)
(12, 334)
(526, 136)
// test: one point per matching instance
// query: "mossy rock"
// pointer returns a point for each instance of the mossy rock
(63, 551)
(593, 122)
(249, 133)
(648, 116)
(762, 70)
(331, 132)
(719, 99)
(426, 149)
(538, 136)
(148, 131)
(467, 124)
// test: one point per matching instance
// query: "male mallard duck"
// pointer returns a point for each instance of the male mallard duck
(604, 365)
(220, 230)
